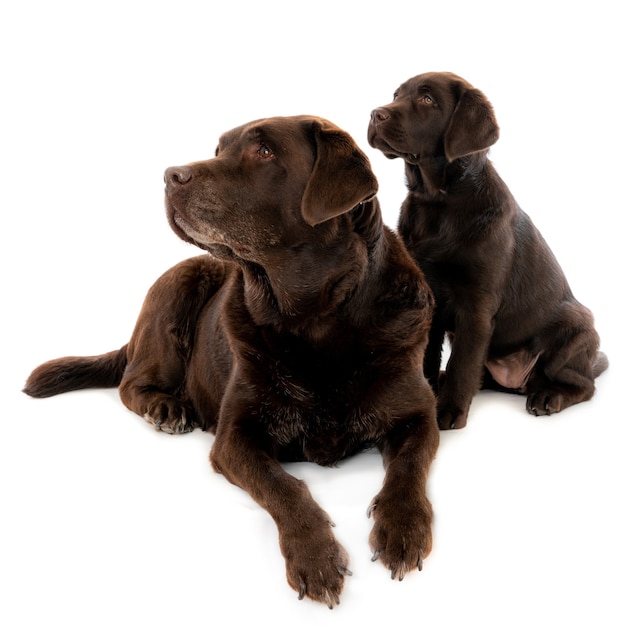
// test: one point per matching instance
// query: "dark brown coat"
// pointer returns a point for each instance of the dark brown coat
(300, 336)
(499, 291)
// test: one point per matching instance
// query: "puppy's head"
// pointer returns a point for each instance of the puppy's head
(434, 115)
(270, 184)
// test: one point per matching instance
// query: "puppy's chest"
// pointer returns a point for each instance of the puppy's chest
(447, 252)
(434, 232)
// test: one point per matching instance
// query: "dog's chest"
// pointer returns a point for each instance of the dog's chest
(319, 411)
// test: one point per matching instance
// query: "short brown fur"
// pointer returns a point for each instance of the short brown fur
(299, 337)
(500, 293)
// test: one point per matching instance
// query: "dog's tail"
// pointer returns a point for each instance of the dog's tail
(600, 364)
(76, 372)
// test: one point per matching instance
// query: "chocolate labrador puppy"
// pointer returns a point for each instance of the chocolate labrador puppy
(512, 320)
(300, 336)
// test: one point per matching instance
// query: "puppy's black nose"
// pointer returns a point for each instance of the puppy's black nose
(379, 115)
(179, 175)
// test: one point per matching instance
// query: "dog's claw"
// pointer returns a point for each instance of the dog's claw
(375, 555)
(302, 591)
(332, 600)
(329, 593)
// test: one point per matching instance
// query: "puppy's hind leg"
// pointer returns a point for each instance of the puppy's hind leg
(566, 370)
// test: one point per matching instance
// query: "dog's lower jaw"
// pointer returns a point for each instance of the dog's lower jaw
(210, 240)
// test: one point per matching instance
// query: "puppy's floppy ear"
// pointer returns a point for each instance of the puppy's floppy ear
(341, 177)
(473, 126)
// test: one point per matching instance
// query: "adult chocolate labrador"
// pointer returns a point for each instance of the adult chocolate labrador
(499, 292)
(299, 337)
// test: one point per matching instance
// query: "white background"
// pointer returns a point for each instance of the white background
(105, 521)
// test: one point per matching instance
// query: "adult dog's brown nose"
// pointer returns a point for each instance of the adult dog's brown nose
(177, 176)
(378, 116)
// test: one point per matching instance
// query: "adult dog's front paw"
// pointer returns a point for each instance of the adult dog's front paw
(401, 537)
(316, 564)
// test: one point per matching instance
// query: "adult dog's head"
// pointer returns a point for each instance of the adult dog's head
(433, 115)
(273, 185)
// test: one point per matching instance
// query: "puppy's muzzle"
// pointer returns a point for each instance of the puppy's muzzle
(379, 116)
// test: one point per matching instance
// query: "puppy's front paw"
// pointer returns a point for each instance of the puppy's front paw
(450, 418)
(170, 415)
(401, 537)
(316, 564)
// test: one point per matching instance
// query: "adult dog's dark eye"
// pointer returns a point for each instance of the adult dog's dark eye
(264, 152)
(427, 99)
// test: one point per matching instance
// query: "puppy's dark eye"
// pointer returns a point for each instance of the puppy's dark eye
(264, 152)
(395, 95)
(217, 150)
(426, 99)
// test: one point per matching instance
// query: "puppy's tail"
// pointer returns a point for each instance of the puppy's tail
(76, 372)
(600, 364)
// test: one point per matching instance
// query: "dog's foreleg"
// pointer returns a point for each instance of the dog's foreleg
(316, 563)
(402, 537)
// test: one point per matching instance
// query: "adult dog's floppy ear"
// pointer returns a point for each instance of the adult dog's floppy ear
(341, 177)
(472, 128)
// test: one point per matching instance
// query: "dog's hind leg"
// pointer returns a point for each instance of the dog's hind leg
(566, 370)
(166, 411)
(154, 383)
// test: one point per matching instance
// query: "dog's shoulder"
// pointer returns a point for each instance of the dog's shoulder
(404, 278)
(400, 303)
